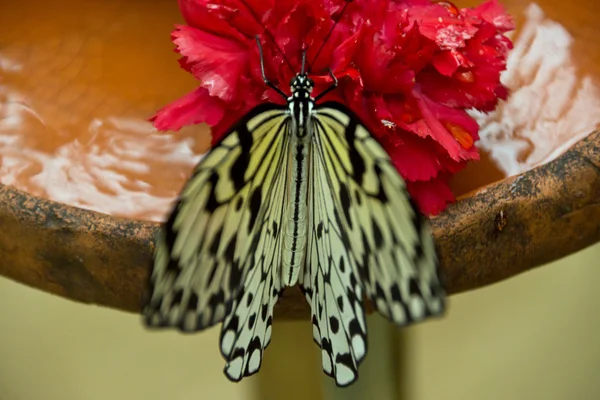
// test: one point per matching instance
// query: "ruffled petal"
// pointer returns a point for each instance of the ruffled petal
(408, 68)
(217, 62)
(439, 132)
(414, 157)
(431, 196)
(194, 108)
(493, 12)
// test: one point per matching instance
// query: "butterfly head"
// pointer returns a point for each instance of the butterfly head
(300, 104)
(301, 86)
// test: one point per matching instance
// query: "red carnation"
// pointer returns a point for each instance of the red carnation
(409, 68)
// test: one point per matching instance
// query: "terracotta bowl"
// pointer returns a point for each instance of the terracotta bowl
(118, 49)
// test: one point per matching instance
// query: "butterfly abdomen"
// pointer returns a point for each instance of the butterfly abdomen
(296, 223)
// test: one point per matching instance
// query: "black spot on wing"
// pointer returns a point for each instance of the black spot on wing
(345, 201)
(413, 287)
(255, 204)
(230, 249)
(240, 165)
(320, 230)
(340, 303)
(379, 293)
(326, 346)
(417, 217)
(342, 264)
(173, 266)
(193, 302)
(380, 195)
(320, 310)
(255, 345)
(251, 321)
(214, 301)
(395, 292)
(211, 203)
(377, 235)
(177, 297)
(418, 251)
(358, 197)
(170, 235)
(358, 164)
(334, 324)
(353, 283)
(355, 329)
(347, 360)
(263, 312)
(214, 245)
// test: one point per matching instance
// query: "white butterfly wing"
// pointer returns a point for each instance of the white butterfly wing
(366, 237)
(331, 284)
(218, 256)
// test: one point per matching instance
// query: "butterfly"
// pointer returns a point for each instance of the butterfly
(296, 193)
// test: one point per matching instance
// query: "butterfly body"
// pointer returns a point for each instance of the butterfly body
(300, 193)
(301, 108)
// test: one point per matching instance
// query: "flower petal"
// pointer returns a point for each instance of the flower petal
(431, 115)
(223, 19)
(216, 61)
(193, 108)
(447, 62)
(408, 68)
(431, 196)
(493, 12)
(414, 157)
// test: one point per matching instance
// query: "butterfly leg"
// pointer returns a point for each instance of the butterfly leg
(262, 70)
(330, 88)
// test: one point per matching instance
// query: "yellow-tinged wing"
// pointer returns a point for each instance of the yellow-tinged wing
(366, 237)
(218, 257)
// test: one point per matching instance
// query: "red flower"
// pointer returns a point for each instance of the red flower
(409, 68)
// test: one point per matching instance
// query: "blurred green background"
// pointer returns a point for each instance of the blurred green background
(534, 336)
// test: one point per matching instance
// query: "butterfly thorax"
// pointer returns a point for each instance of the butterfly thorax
(300, 105)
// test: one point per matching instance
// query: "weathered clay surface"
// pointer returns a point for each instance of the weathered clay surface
(547, 213)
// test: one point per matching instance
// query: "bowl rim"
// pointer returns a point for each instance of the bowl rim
(503, 229)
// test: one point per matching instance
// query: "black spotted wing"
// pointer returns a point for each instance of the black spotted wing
(218, 256)
(366, 237)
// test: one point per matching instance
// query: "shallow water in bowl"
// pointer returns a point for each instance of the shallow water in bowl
(78, 82)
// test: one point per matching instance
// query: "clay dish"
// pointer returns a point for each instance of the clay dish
(87, 59)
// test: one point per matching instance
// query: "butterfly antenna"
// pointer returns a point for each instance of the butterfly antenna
(270, 36)
(303, 69)
(262, 70)
(329, 34)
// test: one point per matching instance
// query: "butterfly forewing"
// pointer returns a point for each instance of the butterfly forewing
(218, 256)
(366, 237)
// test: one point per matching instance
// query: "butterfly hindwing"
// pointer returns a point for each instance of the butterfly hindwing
(221, 245)
(247, 331)
(382, 246)
(331, 284)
